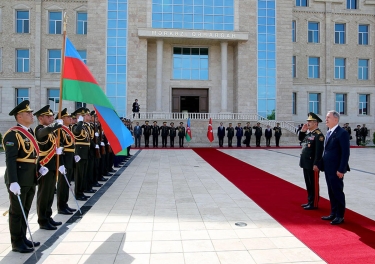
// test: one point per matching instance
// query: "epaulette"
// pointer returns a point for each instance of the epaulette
(317, 131)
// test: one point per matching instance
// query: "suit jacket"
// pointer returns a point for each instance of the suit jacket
(336, 152)
(268, 133)
(137, 131)
(239, 131)
(221, 131)
(230, 133)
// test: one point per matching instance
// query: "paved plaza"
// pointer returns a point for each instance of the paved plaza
(170, 206)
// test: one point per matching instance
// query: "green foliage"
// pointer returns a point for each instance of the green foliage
(272, 116)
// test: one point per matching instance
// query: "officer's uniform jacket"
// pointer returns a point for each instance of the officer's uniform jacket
(146, 130)
(46, 138)
(278, 132)
(181, 131)
(155, 131)
(164, 131)
(82, 134)
(69, 147)
(230, 132)
(172, 132)
(258, 131)
(312, 148)
(248, 131)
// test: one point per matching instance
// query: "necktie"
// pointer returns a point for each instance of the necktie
(328, 135)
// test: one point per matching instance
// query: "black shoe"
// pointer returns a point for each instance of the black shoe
(304, 205)
(329, 217)
(112, 170)
(107, 174)
(21, 247)
(310, 207)
(64, 211)
(103, 179)
(54, 223)
(71, 209)
(97, 185)
(337, 221)
(30, 243)
(90, 191)
(81, 198)
(47, 226)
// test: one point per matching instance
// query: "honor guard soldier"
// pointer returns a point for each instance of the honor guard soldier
(155, 134)
(181, 134)
(146, 132)
(312, 152)
(358, 136)
(258, 134)
(230, 134)
(239, 134)
(172, 134)
(21, 155)
(164, 134)
(248, 131)
(278, 134)
(67, 139)
(81, 131)
(46, 137)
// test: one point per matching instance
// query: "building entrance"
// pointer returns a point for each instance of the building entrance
(190, 100)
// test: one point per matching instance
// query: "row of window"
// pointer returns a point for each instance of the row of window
(55, 22)
(341, 103)
(313, 33)
(22, 63)
(340, 69)
(350, 4)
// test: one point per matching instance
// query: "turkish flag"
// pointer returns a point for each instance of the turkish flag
(210, 133)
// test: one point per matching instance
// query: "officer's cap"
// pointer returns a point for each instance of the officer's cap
(21, 107)
(82, 111)
(146, 121)
(164, 122)
(92, 113)
(64, 113)
(181, 123)
(230, 123)
(171, 123)
(44, 111)
(258, 123)
(313, 117)
(239, 123)
(155, 122)
(248, 123)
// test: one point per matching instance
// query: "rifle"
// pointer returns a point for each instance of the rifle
(97, 150)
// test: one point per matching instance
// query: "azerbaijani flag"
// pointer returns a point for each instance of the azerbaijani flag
(188, 131)
(80, 85)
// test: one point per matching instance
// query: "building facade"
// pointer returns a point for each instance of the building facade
(278, 59)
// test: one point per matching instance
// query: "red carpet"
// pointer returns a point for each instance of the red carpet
(351, 242)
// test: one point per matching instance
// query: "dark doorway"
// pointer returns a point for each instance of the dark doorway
(190, 103)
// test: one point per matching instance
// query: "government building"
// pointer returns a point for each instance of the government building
(240, 59)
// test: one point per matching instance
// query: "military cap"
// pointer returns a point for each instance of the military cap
(82, 111)
(171, 123)
(230, 123)
(277, 123)
(92, 113)
(64, 113)
(44, 111)
(146, 121)
(239, 123)
(21, 107)
(155, 122)
(258, 123)
(181, 123)
(164, 122)
(248, 123)
(358, 125)
(313, 117)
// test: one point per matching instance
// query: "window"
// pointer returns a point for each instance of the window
(294, 31)
(302, 3)
(53, 99)
(339, 33)
(351, 4)
(190, 63)
(340, 68)
(363, 106)
(55, 23)
(294, 67)
(294, 101)
(363, 69)
(82, 23)
(23, 22)
(22, 94)
(23, 60)
(313, 32)
(340, 103)
(363, 34)
(314, 103)
(314, 67)
(54, 60)
(80, 104)
(83, 55)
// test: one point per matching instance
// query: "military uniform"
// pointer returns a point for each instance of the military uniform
(358, 136)
(181, 134)
(164, 134)
(258, 134)
(248, 131)
(46, 138)
(146, 133)
(230, 134)
(172, 134)
(155, 134)
(278, 134)
(21, 152)
(311, 154)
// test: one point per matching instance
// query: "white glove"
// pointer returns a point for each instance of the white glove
(62, 169)
(102, 143)
(96, 146)
(59, 121)
(96, 134)
(59, 150)
(77, 158)
(15, 188)
(43, 170)
(80, 118)
(108, 143)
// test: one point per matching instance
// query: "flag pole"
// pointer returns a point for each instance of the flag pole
(61, 88)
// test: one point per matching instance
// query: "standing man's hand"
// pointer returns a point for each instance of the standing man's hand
(315, 168)
(15, 188)
(340, 175)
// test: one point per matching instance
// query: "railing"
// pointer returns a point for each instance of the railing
(288, 125)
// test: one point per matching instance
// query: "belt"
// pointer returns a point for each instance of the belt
(68, 150)
(83, 143)
(34, 161)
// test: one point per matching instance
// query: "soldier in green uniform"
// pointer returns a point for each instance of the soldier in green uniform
(230, 134)
(248, 131)
(258, 134)
(21, 154)
(181, 134)
(278, 134)
(164, 134)
(46, 137)
(172, 134)
(312, 152)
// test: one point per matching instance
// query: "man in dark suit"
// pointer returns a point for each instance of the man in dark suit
(335, 165)
(312, 150)
(21, 154)
(268, 135)
(230, 134)
(248, 131)
(137, 135)
(278, 134)
(239, 134)
(221, 134)
(258, 133)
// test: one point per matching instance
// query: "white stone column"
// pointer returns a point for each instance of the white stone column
(159, 73)
(224, 76)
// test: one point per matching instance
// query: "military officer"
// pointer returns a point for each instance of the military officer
(278, 134)
(358, 136)
(164, 134)
(258, 134)
(155, 134)
(67, 139)
(181, 134)
(46, 137)
(172, 134)
(239, 134)
(312, 152)
(248, 131)
(230, 134)
(21, 154)
(146, 132)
